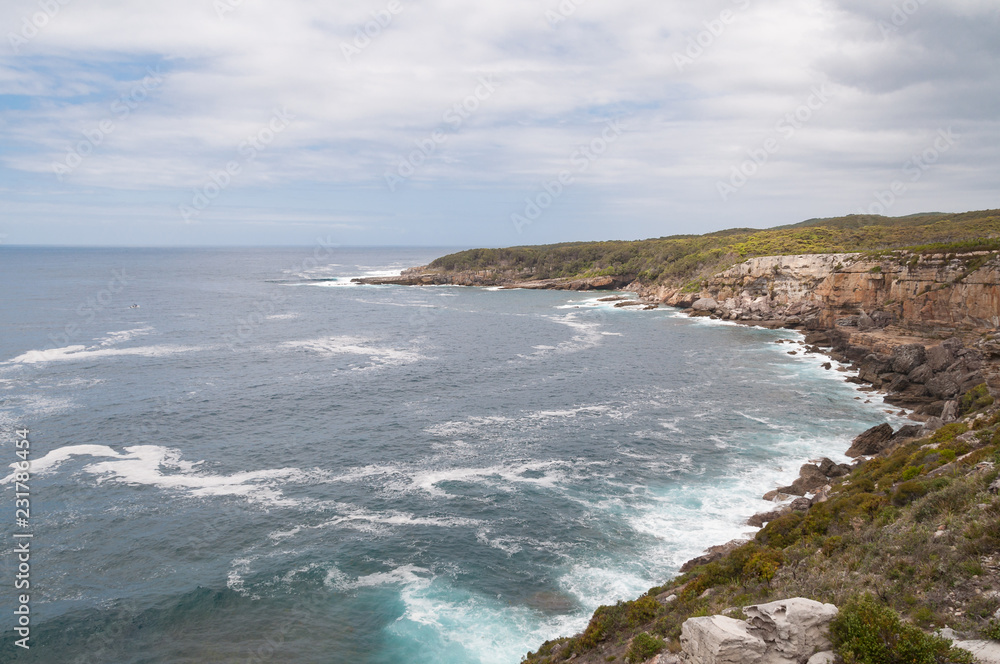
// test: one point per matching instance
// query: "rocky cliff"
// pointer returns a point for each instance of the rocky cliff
(921, 293)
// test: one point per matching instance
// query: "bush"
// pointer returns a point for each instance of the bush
(949, 431)
(643, 647)
(975, 399)
(908, 491)
(868, 632)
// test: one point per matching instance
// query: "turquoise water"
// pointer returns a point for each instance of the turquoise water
(262, 462)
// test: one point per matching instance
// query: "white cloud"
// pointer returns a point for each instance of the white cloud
(687, 126)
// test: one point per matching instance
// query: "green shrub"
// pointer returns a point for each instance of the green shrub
(913, 471)
(908, 491)
(868, 632)
(949, 431)
(992, 631)
(643, 647)
(975, 399)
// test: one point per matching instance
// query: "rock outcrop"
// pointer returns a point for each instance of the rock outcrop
(879, 314)
(425, 276)
(788, 631)
(872, 441)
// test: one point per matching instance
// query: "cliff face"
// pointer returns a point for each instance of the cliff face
(922, 294)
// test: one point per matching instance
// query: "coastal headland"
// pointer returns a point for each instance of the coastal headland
(912, 529)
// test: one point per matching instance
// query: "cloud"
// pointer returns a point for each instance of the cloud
(697, 86)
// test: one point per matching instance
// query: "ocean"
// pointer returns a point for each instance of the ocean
(263, 462)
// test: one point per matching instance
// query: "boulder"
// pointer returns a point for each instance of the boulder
(939, 357)
(720, 640)
(906, 431)
(810, 478)
(943, 385)
(871, 442)
(907, 358)
(865, 322)
(825, 657)
(793, 629)
(921, 374)
(898, 384)
(800, 504)
(950, 412)
(705, 304)
(831, 469)
(760, 518)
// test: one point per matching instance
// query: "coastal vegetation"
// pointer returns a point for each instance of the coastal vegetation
(684, 259)
(904, 544)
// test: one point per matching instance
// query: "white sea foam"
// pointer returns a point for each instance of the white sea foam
(407, 575)
(114, 338)
(366, 520)
(587, 335)
(500, 476)
(477, 424)
(488, 626)
(378, 356)
(148, 465)
(80, 352)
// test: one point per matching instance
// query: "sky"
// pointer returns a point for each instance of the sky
(486, 123)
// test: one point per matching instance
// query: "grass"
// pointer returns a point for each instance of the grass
(683, 260)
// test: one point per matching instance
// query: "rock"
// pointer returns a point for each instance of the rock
(664, 658)
(825, 657)
(865, 322)
(950, 412)
(758, 520)
(921, 374)
(800, 504)
(943, 385)
(871, 442)
(831, 469)
(810, 478)
(906, 431)
(939, 358)
(793, 629)
(882, 318)
(822, 495)
(720, 640)
(898, 384)
(907, 358)
(699, 561)
(994, 487)
(705, 304)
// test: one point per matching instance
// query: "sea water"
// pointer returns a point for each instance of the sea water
(263, 462)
